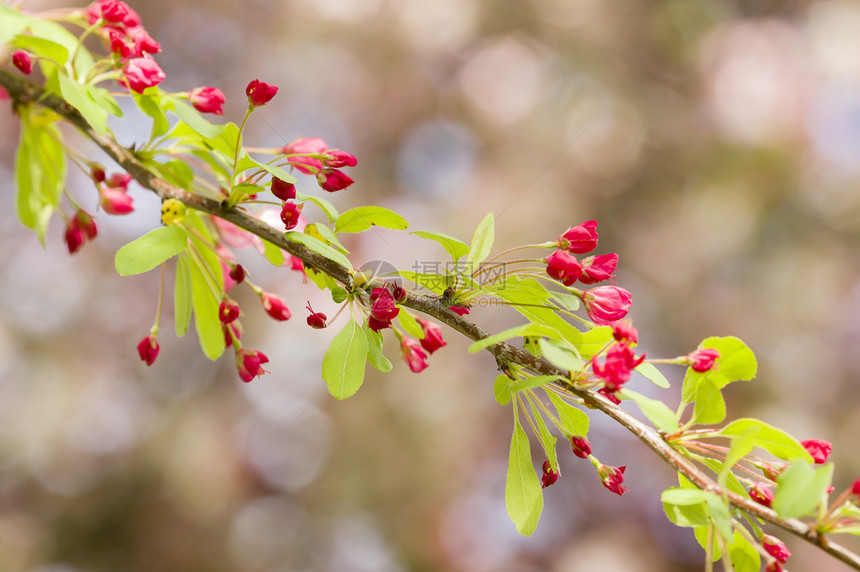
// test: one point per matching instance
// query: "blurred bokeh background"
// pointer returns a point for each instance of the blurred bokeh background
(718, 144)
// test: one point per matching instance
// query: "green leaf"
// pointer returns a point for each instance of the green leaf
(482, 244)
(182, 296)
(736, 362)
(702, 533)
(12, 23)
(324, 205)
(523, 497)
(151, 106)
(650, 371)
(547, 439)
(319, 247)
(343, 364)
(533, 382)
(360, 219)
(777, 442)
(710, 406)
(515, 332)
(656, 411)
(273, 253)
(456, 248)
(595, 340)
(801, 488)
(43, 48)
(177, 172)
(718, 511)
(529, 298)
(685, 507)
(78, 97)
(249, 162)
(408, 323)
(436, 283)
(340, 294)
(561, 357)
(502, 389)
(374, 351)
(574, 423)
(743, 554)
(741, 446)
(206, 319)
(150, 250)
(566, 300)
(327, 234)
(192, 118)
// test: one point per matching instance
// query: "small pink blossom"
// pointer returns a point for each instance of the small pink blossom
(703, 359)
(459, 310)
(290, 214)
(383, 310)
(275, 307)
(207, 100)
(332, 180)
(148, 349)
(260, 93)
(432, 340)
(316, 320)
(115, 201)
(818, 448)
(598, 268)
(250, 364)
(612, 477)
(581, 447)
(23, 62)
(336, 159)
(301, 148)
(855, 488)
(283, 190)
(623, 331)
(615, 369)
(413, 355)
(563, 267)
(606, 304)
(228, 311)
(141, 73)
(776, 548)
(761, 493)
(580, 239)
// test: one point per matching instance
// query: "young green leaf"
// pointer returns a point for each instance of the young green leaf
(523, 497)
(533, 382)
(515, 332)
(482, 244)
(360, 219)
(273, 253)
(777, 442)
(182, 296)
(42, 47)
(685, 507)
(78, 97)
(343, 363)
(40, 169)
(150, 250)
(710, 406)
(374, 351)
(456, 248)
(547, 439)
(502, 389)
(192, 118)
(743, 554)
(801, 488)
(408, 323)
(655, 410)
(436, 283)
(561, 357)
(324, 205)
(319, 247)
(206, 320)
(574, 423)
(652, 373)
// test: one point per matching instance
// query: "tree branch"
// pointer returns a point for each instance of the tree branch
(24, 92)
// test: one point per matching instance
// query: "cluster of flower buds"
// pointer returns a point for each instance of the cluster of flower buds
(384, 307)
(604, 304)
(113, 191)
(620, 360)
(80, 228)
(413, 352)
(312, 156)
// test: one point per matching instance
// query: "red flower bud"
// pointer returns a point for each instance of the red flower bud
(598, 268)
(115, 201)
(141, 73)
(231, 330)
(606, 304)
(398, 292)
(335, 158)
(775, 548)
(98, 174)
(73, 237)
(580, 239)
(702, 360)
(228, 311)
(23, 62)
(260, 93)
(563, 267)
(608, 395)
(623, 331)
(237, 273)
(761, 493)
(290, 214)
(581, 447)
(855, 488)
(332, 180)
(305, 146)
(250, 364)
(283, 190)
(612, 477)
(316, 320)
(459, 310)
(207, 100)
(413, 355)
(432, 340)
(275, 307)
(148, 349)
(818, 448)
(616, 368)
(550, 475)
(119, 181)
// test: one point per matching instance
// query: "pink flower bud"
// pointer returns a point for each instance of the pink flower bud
(384, 306)
(119, 181)
(283, 190)
(598, 268)
(580, 239)
(115, 201)
(775, 548)
(563, 267)
(336, 159)
(23, 62)
(228, 311)
(623, 331)
(148, 349)
(275, 307)
(304, 146)
(290, 214)
(142, 43)
(606, 304)
(855, 488)
(459, 310)
(332, 180)
(316, 320)
(87, 224)
(413, 355)
(615, 369)
(608, 395)
(109, 10)
(761, 493)
(231, 331)
(432, 336)
(550, 475)
(237, 273)
(98, 174)
(207, 100)
(398, 293)
(612, 477)
(260, 93)
(702, 360)
(581, 447)
(73, 236)
(250, 364)
(818, 448)
(141, 73)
